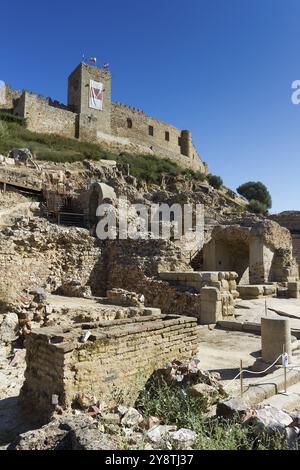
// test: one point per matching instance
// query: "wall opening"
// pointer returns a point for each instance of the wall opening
(151, 130)
(167, 136)
(129, 123)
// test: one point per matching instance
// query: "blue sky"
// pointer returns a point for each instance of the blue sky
(222, 68)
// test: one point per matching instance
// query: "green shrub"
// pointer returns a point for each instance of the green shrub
(256, 191)
(193, 175)
(3, 130)
(215, 181)
(173, 406)
(257, 207)
(149, 167)
(7, 117)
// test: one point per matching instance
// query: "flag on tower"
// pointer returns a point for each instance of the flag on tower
(93, 59)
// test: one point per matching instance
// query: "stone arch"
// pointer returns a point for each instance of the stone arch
(229, 250)
(97, 194)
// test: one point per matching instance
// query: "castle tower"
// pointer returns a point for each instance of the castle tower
(89, 95)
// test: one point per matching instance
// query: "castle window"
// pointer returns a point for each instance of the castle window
(167, 136)
(151, 130)
(129, 123)
(179, 141)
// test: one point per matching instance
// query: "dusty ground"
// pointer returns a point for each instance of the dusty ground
(253, 310)
(221, 350)
(10, 198)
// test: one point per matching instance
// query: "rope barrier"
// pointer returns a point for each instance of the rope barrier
(252, 372)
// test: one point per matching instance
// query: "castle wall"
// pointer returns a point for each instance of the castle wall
(167, 140)
(11, 97)
(121, 127)
(41, 117)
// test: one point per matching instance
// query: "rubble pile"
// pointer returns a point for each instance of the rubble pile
(194, 380)
(102, 430)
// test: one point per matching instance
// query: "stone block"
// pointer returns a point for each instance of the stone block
(235, 407)
(168, 276)
(210, 294)
(209, 276)
(250, 291)
(270, 289)
(211, 312)
(151, 311)
(193, 276)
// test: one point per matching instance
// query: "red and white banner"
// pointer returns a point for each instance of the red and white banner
(96, 95)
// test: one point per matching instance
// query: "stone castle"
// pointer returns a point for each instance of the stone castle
(92, 116)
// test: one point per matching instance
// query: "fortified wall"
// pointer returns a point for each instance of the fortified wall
(92, 116)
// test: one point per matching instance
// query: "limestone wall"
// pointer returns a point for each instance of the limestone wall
(11, 97)
(119, 357)
(167, 140)
(45, 118)
(36, 253)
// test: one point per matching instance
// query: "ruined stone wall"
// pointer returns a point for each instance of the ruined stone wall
(291, 221)
(36, 253)
(45, 118)
(135, 267)
(119, 357)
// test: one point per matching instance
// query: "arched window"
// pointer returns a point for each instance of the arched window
(129, 123)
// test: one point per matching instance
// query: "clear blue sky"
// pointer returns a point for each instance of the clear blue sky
(222, 68)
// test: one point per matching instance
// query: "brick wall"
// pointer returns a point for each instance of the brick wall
(119, 358)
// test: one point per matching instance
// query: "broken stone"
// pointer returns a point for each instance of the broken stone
(9, 327)
(207, 392)
(132, 418)
(121, 410)
(183, 438)
(268, 419)
(152, 421)
(232, 408)
(92, 439)
(111, 418)
(158, 433)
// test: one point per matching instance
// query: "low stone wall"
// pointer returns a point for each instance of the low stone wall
(218, 290)
(119, 357)
(258, 291)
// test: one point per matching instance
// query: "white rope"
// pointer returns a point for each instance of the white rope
(252, 372)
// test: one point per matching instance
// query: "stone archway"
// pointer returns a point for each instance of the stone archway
(229, 250)
(97, 193)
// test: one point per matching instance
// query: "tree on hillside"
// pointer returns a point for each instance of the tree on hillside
(256, 191)
(215, 181)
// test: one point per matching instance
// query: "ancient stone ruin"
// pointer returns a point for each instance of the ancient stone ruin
(91, 321)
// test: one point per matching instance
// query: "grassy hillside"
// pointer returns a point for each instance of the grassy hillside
(48, 147)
